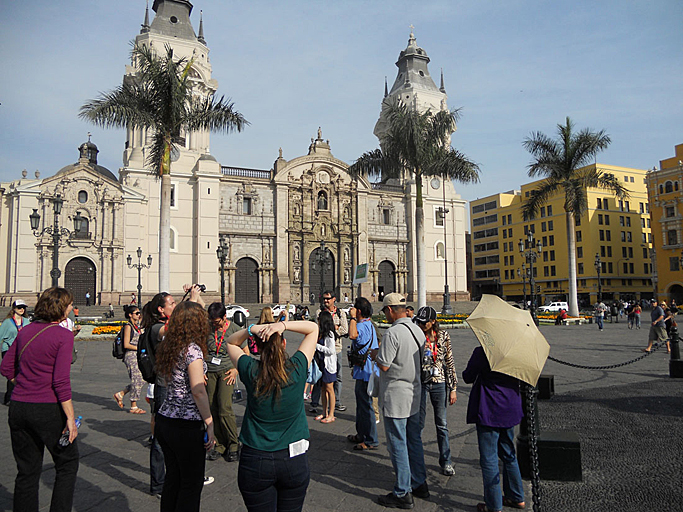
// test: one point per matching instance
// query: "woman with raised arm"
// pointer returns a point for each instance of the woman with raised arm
(273, 471)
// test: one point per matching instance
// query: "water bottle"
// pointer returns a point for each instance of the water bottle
(64, 440)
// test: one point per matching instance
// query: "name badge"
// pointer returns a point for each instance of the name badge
(298, 448)
(436, 372)
(216, 360)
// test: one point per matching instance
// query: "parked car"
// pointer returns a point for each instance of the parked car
(554, 307)
(231, 308)
(279, 308)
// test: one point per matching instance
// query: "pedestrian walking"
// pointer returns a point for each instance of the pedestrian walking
(495, 406)
(657, 327)
(184, 426)
(363, 338)
(439, 381)
(130, 336)
(41, 410)
(399, 360)
(274, 473)
(87, 298)
(15, 321)
(599, 313)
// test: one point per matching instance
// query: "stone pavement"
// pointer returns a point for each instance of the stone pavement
(629, 420)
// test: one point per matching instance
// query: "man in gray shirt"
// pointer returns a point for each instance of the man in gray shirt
(399, 359)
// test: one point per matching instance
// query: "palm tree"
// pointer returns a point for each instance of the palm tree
(417, 143)
(160, 98)
(563, 162)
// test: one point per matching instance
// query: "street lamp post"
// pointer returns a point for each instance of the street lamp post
(531, 251)
(222, 253)
(598, 268)
(139, 266)
(441, 212)
(56, 232)
(322, 261)
(523, 274)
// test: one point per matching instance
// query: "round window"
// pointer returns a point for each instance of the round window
(82, 196)
(174, 19)
(421, 73)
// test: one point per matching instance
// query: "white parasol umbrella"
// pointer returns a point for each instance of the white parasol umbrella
(512, 342)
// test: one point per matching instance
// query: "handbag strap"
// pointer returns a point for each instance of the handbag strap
(419, 347)
(29, 342)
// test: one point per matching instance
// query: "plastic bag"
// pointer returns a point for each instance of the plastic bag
(314, 373)
(373, 382)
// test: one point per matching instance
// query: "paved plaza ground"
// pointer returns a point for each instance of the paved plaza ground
(628, 419)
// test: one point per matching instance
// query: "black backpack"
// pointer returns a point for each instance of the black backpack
(117, 350)
(146, 356)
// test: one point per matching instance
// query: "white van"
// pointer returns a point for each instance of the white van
(554, 307)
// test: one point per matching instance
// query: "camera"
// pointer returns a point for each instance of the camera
(202, 287)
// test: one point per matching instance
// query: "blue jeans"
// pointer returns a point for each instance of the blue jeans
(493, 443)
(407, 456)
(598, 320)
(272, 481)
(366, 427)
(439, 398)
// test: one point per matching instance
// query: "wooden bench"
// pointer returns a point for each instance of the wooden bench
(575, 321)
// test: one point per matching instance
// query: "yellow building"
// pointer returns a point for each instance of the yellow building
(665, 191)
(616, 230)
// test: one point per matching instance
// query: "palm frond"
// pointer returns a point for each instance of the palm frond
(539, 196)
(374, 164)
(215, 115)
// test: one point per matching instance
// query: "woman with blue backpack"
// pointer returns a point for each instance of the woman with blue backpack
(130, 333)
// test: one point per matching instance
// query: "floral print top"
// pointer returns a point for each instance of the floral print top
(441, 359)
(179, 401)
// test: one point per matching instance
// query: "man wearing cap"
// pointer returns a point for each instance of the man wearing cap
(399, 359)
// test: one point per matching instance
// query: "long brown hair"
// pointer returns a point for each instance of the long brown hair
(266, 316)
(52, 305)
(274, 367)
(189, 323)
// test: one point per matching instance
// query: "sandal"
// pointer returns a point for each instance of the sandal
(119, 399)
(355, 438)
(329, 419)
(360, 447)
(319, 417)
(137, 410)
(507, 502)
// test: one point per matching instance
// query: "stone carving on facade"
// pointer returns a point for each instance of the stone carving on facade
(297, 274)
(347, 254)
(347, 275)
(296, 252)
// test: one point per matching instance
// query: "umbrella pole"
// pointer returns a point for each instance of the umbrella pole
(532, 432)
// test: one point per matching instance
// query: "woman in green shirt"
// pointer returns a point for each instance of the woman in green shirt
(10, 327)
(273, 471)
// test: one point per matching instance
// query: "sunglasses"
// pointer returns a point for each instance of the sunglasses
(136, 313)
(19, 307)
(327, 298)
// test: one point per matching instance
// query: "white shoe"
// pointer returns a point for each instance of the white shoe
(208, 480)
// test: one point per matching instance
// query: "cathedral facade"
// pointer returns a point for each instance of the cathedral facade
(290, 232)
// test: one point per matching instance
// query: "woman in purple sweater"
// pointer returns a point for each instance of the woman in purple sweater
(495, 406)
(39, 361)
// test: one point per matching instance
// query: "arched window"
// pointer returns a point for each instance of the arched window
(440, 251)
(676, 186)
(661, 189)
(322, 200)
(82, 197)
(174, 240)
(85, 229)
(668, 187)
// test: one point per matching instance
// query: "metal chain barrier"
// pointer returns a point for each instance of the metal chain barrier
(655, 346)
(533, 446)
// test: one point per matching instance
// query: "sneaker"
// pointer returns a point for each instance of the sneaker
(340, 407)
(448, 470)
(232, 456)
(213, 455)
(208, 480)
(393, 501)
(422, 491)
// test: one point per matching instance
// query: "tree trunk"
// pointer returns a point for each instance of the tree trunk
(571, 245)
(165, 233)
(420, 244)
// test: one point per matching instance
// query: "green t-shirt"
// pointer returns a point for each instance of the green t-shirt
(226, 362)
(271, 425)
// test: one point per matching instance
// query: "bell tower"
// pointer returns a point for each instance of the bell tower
(172, 27)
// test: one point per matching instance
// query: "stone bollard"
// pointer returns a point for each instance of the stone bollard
(675, 363)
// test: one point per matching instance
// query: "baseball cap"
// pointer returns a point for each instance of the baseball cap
(425, 314)
(18, 302)
(393, 299)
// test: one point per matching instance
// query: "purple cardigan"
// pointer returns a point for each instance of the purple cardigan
(494, 400)
(44, 367)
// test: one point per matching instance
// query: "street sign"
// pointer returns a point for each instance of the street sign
(361, 273)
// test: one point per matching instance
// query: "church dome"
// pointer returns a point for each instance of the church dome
(88, 156)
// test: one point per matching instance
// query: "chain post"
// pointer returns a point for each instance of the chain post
(531, 393)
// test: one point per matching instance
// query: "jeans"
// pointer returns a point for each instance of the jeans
(34, 427)
(493, 443)
(598, 320)
(157, 468)
(407, 456)
(220, 400)
(271, 481)
(183, 444)
(315, 393)
(439, 397)
(366, 427)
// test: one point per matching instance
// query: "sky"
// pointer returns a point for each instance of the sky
(514, 67)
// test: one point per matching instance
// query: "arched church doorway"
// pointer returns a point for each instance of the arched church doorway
(321, 272)
(676, 293)
(386, 282)
(246, 282)
(81, 278)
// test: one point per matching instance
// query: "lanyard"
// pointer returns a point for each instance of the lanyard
(137, 329)
(432, 347)
(218, 344)
(19, 325)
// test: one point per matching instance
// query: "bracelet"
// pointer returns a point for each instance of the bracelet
(353, 318)
(249, 329)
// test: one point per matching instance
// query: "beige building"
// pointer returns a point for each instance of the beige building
(274, 221)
